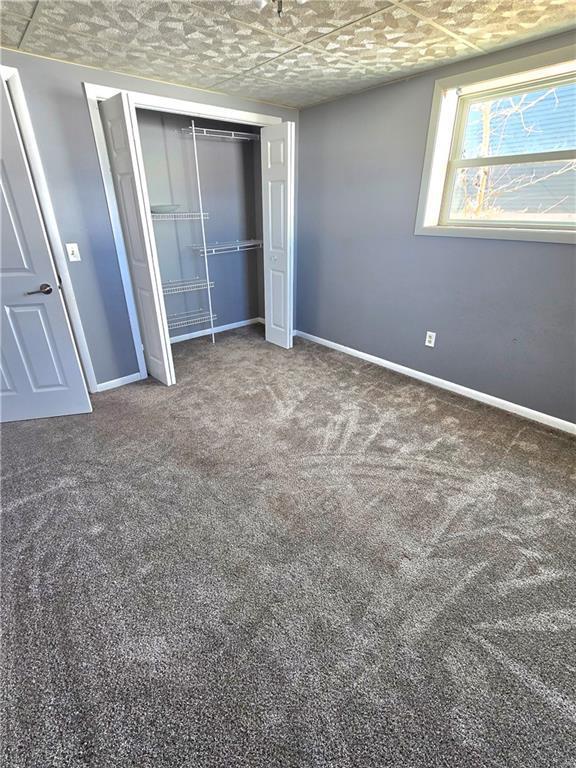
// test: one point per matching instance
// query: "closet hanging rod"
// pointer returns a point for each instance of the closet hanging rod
(215, 133)
(182, 286)
(182, 319)
(183, 216)
(232, 247)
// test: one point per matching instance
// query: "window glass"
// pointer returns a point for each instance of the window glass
(525, 193)
(526, 122)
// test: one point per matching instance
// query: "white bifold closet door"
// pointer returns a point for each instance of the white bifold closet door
(277, 144)
(126, 165)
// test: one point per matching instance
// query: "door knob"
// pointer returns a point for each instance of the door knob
(45, 288)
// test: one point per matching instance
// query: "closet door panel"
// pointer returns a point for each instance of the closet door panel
(120, 129)
(278, 230)
(278, 290)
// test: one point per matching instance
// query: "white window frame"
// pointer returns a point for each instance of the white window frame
(451, 95)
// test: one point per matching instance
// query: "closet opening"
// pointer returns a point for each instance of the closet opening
(206, 212)
(204, 186)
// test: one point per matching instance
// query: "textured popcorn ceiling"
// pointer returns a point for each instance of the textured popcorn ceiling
(318, 50)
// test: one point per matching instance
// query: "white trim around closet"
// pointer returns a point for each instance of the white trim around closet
(96, 93)
(473, 394)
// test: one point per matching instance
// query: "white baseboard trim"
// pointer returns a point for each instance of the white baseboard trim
(496, 402)
(217, 329)
(113, 383)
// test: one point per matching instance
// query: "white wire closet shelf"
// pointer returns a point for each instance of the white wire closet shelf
(182, 286)
(216, 133)
(183, 319)
(181, 216)
(230, 247)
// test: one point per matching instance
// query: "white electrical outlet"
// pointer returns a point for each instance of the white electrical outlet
(73, 252)
(430, 338)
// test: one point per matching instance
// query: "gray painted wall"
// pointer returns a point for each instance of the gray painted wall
(60, 117)
(504, 311)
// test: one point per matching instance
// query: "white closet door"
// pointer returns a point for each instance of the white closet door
(121, 131)
(40, 372)
(278, 229)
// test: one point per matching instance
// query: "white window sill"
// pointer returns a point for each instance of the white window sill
(501, 233)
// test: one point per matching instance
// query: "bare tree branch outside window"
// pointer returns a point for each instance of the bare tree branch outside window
(519, 124)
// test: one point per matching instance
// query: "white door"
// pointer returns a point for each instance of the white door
(121, 131)
(278, 229)
(40, 373)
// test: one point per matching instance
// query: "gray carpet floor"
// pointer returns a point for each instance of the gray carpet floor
(290, 559)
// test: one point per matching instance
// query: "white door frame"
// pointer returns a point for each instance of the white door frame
(11, 77)
(96, 93)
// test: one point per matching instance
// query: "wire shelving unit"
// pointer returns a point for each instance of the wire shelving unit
(216, 133)
(181, 216)
(232, 246)
(183, 286)
(195, 317)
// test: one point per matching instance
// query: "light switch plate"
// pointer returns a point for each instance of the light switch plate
(73, 252)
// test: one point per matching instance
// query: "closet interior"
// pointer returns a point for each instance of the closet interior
(204, 187)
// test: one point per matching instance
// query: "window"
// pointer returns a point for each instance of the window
(501, 156)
